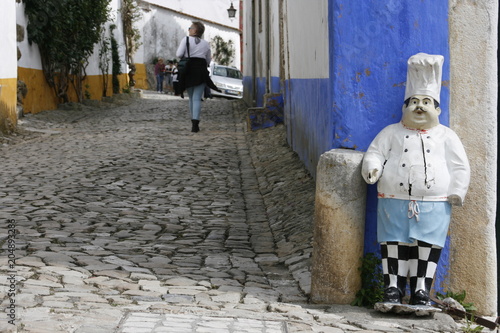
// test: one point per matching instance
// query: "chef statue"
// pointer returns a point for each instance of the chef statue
(422, 170)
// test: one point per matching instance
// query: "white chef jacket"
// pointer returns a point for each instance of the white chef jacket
(427, 165)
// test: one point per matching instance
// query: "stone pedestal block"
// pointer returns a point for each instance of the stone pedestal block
(473, 245)
(339, 224)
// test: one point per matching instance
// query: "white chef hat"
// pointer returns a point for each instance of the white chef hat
(424, 75)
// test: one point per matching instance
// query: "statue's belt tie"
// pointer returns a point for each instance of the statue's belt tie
(413, 210)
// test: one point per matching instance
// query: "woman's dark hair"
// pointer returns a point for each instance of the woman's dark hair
(200, 28)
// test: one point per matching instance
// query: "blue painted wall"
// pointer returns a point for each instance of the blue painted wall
(308, 119)
(276, 87)
(260, 90)
(372, 42)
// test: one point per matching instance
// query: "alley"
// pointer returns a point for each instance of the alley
(128, 222)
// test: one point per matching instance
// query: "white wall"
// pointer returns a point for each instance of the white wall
(8, 56)
(30, 55)
(307, 30)
(274, 27)
(261, 49)
(213, 10)
(247, 38)
(305, 38)
(162, 31)
(93, 67)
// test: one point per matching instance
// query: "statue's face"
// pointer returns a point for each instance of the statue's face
(421, 113)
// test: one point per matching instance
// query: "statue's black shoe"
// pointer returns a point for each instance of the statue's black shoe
(392, 295)
(421, 297)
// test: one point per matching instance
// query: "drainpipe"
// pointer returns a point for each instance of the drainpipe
(268, 47)
(254, 62)
(498, 184)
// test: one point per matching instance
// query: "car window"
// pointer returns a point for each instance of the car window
(234, 73)
(220, 71)
(227, 72)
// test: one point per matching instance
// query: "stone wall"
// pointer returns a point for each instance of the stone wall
(339, 227)
(473, 57)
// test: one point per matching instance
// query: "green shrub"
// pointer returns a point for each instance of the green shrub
(372, 282)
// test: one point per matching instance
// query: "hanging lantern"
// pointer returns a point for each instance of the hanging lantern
(231, 11)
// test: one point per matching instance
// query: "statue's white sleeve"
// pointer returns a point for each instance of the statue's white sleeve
(458, 166)
(377, 154)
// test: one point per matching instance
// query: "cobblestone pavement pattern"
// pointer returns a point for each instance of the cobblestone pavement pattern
(128, 222)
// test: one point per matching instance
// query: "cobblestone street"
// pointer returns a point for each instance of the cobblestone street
(128, 222)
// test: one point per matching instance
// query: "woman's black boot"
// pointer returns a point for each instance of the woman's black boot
(195, 127)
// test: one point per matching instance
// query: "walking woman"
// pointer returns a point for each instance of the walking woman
(195, 76)
(159, 73)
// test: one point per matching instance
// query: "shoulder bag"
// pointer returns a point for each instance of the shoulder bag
(181, 66)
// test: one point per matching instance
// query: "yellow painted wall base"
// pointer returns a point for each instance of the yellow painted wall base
(8, 102)
(141, 80)
(41, 97)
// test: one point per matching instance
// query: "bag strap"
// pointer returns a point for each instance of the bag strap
(187, 45)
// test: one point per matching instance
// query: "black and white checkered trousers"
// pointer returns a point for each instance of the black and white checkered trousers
(419, 259)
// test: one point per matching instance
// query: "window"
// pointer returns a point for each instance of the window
(228, 72)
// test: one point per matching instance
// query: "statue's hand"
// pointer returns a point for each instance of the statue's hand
(372, 176)
(455, 200)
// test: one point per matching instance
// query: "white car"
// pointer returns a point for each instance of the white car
(228, 79)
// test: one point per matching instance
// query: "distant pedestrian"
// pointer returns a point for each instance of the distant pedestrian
(175, 78)
(159, 73)
(195, 76)
(168, 75)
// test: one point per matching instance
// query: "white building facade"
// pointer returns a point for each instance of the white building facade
(162, 25)
(8, 68)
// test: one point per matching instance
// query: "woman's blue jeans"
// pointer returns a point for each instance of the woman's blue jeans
(159, 82)
(195, 95)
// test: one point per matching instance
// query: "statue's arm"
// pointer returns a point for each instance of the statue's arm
(375, 157)
(459, 169)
